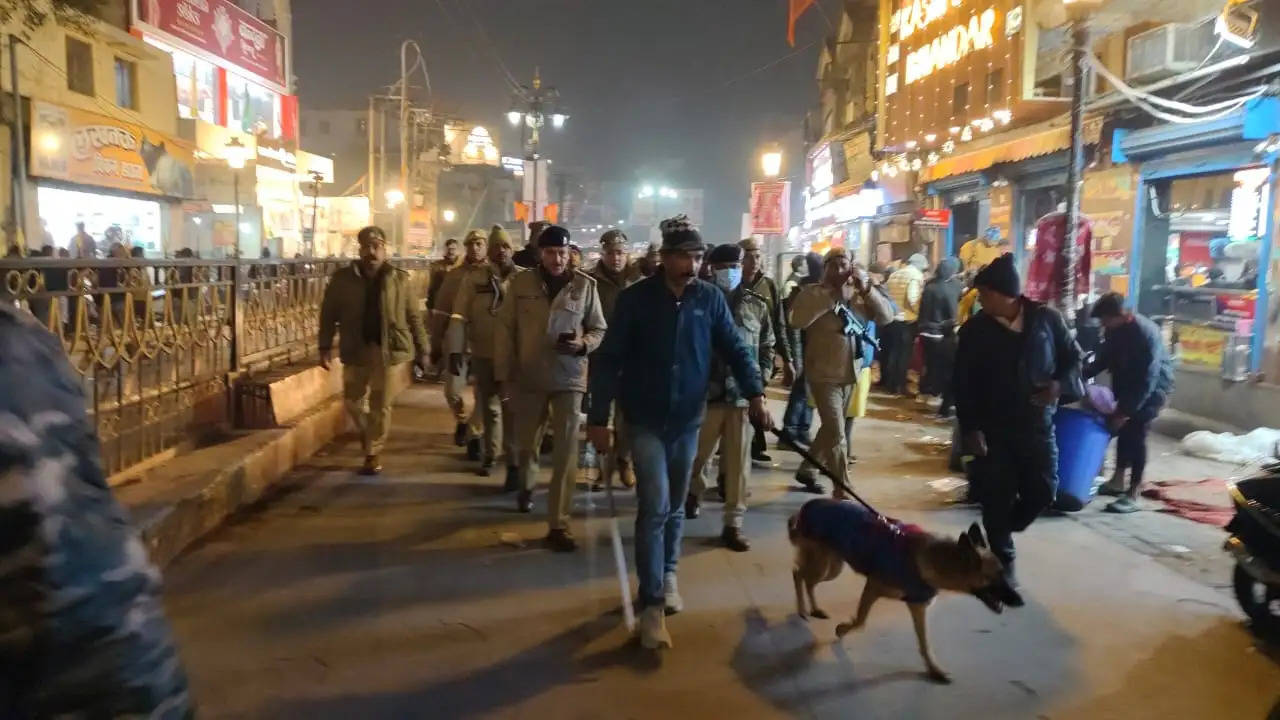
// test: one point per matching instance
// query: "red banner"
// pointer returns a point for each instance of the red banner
(220, 28)
(770, 207)
(940, 217)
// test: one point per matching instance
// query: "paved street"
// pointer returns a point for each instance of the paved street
(405, 597)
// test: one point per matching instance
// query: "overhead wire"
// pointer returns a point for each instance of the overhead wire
(1149, 102)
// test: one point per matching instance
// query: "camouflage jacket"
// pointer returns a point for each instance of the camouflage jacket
(755, 325)
(82, 632)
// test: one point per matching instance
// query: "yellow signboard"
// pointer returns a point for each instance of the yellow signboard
(83, 147)
(1200, 345)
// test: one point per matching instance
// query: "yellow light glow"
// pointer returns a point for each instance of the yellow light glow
(50, 142)
(771, 163)
(394, 196)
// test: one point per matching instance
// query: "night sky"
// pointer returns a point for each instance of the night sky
(672, 91)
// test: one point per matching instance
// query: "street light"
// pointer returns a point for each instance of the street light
(449, 216)
(513, 117)
(557, 120)
(237, 154)
(646, 192)
(771, 163)
(394, 196)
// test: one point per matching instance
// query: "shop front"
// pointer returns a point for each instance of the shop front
(125, 182)
(231, 68)
(841, 201)
(1201, 258)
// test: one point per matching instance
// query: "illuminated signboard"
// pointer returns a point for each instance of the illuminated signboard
(951, 71)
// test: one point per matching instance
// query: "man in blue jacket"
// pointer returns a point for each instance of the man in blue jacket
(656, 361)
(1142, 378)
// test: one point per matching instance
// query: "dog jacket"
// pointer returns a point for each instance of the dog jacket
(873, 545)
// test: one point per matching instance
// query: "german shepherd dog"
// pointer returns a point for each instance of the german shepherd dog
(900, 561)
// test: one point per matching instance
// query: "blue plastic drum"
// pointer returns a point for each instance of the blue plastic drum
(1082, 447)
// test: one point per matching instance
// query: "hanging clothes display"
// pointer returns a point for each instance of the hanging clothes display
(1045, 271)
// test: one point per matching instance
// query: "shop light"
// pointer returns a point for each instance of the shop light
(934, 158)
(1002, 116)
(954, 130)
(50, 142)
(875, 175)
(949, 147)
(911, 144)
(557, 120)
(449, 215)
(246, 227)
(903, 165)
(394, 196)
(930, 138)
(916, 164)
(967, 134)
(237, 154)
(513, 117)
(198, 220)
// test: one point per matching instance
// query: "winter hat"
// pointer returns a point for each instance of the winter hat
(553, 236)
(498, 236)
(919, 262)
(613, 237)
(679, 234)
(1000, 276)
(835, 253)
(724, 254)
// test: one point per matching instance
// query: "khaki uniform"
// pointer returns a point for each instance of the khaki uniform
(435, 278)
(453, 384)
(726, 418)
(832, 362)
(471, 327)
(609, 286)
(367, 367)
(529, 324)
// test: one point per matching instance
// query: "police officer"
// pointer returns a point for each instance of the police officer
(528, 256)
(756, 281)
(456, 377)
(549, 321)
(471, 330)
(435, 278)
(613, 274)
(725, 422)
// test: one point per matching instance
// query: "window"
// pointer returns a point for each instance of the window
(79, 66)
(960, 100)
(126, 84)
(995, 88)
(324, 127)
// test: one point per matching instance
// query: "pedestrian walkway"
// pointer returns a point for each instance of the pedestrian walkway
(406, 596)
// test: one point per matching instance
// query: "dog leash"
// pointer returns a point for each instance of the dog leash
(809, 458)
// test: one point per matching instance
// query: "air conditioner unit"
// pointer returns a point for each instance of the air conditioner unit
(1168, 50)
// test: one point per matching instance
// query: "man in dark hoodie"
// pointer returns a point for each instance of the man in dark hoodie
(938, 330)
(798, 417)
(1014, 362)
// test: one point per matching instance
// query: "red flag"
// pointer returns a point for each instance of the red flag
(795, 9)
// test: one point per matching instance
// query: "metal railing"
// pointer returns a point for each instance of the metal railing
(160, 343)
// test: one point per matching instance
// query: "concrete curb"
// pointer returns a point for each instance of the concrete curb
(210, 499)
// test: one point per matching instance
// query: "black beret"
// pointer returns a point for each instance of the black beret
(553, 236)
(724, 254)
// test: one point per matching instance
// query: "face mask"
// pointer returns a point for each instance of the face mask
(729, 278)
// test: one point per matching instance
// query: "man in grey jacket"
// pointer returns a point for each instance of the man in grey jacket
(548, 323)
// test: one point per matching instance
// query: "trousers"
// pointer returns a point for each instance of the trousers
(490, 407)
(663, 463)
(897, 356)
(620, 453)
(364, 393)
(558, 413)
(830, 446)
(797, 419)
(725, 425)
(1019, 478)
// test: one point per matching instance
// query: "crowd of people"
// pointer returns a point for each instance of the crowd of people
(668, 357)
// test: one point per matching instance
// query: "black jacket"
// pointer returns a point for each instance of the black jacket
(985, 383)
(1141, 370)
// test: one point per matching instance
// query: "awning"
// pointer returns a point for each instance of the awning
(1033, 143)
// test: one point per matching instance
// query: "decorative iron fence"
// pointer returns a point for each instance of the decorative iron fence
(159, 343)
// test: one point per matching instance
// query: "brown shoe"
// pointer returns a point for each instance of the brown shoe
(372, 466)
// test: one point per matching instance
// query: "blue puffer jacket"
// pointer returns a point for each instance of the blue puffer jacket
(656, 356)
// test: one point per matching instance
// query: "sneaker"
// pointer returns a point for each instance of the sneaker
(809, 482)
(733, 539)
(1123, 506)
(653, 629)
(372, 466)
(460, 434)
(473, 449)
(692, 507)
(513, 479)
(1114, 487)
(671, 594)
(762, 457)
(524, 501)
(561, 541)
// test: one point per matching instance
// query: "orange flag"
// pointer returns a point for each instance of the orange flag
(795, 9)
(522, 211)
(552, 213)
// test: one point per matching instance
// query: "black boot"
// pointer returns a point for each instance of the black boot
(524, 501)
(513, 479)
(692, 507)
(561, 541)
(732, 539)
(473, 450)
(460, 434)
(486, 468)
(1006, 589)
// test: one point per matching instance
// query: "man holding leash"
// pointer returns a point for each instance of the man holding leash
(1014, 362)
(655, 361)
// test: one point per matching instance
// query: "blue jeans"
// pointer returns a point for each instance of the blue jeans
(662, 465)
(798, 417)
